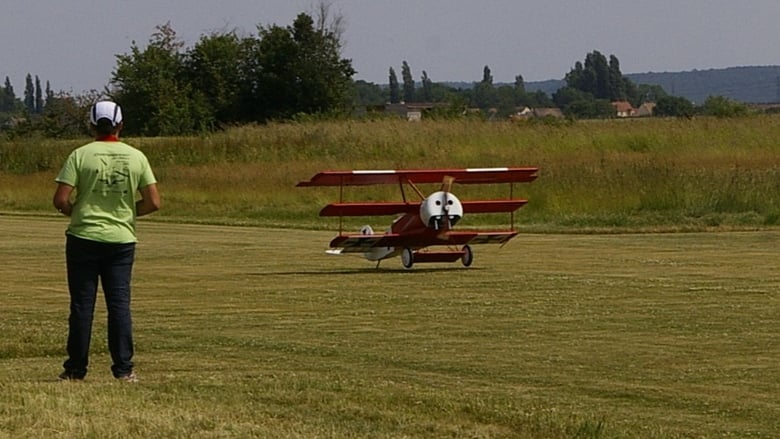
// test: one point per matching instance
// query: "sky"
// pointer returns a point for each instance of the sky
(73, 44)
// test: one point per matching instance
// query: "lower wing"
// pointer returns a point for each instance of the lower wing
(359, 243)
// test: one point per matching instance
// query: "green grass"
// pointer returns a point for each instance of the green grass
(255, 332)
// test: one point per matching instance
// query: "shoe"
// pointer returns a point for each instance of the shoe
(129, 378)
(70, 376)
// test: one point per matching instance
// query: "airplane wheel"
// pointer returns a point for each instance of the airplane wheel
(468, 256)
(407, 257)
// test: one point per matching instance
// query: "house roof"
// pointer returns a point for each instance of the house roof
(623, 106)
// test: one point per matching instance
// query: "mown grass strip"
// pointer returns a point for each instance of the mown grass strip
(245, 331)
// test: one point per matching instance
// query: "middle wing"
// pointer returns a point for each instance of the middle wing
(393, 208)
(492, 206)
(368, 209)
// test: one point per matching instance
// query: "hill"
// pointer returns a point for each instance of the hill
(754, 84)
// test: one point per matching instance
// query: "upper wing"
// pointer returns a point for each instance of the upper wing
(462, 176)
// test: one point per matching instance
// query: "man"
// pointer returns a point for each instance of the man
(97, 188)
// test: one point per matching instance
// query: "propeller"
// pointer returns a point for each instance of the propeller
(446, 187)
(446, 183)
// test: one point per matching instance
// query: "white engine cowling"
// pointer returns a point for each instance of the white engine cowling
(441, 210)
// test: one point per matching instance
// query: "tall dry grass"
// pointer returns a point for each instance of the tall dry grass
(651, 173)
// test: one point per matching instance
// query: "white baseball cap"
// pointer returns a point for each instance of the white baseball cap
(106, 110)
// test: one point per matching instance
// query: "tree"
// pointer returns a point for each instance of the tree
(487, 77)
(7, 97)
(297, 69)
(577, 103)
(223, 79)
(329, 24)
(720, 106)
(38, 96)
(566, 96)
(29, 95)
(484, 94)
(592, 84)
(445, 93)
(649, 93)
(215, 68)
(601, 78)
(506, 98)
(539, 99)
(324, 78)
(427, 87)
(408, 85)
(591, 109)
(367, 94)
(64, 115)
(8, 87)
(49, 94)
(675, 106)
(395, 92)
(580, 79)
(519, 85)
(268, 87)
(151, 84)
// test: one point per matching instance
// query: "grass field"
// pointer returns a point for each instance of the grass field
(255, 332)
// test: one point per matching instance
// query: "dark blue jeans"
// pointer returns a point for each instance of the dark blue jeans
(113, 265)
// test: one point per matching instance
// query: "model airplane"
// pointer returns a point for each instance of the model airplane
(421, 224)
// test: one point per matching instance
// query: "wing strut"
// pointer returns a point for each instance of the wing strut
(512, 213)
(401, 187)
(415, 188)
(341, 200)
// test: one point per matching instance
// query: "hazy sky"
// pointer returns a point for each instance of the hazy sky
(73, 43)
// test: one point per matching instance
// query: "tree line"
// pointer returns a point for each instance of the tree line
(224, 79)
(33, 102)
(284, 73)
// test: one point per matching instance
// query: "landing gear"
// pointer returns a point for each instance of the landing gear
(468, 256)
(407, 257)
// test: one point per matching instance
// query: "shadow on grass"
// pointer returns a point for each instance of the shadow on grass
(362, 271)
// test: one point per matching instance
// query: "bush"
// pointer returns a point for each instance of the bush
(720, 106)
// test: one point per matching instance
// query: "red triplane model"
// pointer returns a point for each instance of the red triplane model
(423, 224)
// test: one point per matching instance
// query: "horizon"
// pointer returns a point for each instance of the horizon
(44, 80)
(450, 39)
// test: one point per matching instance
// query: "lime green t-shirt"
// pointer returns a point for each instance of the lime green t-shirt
(106, 176)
